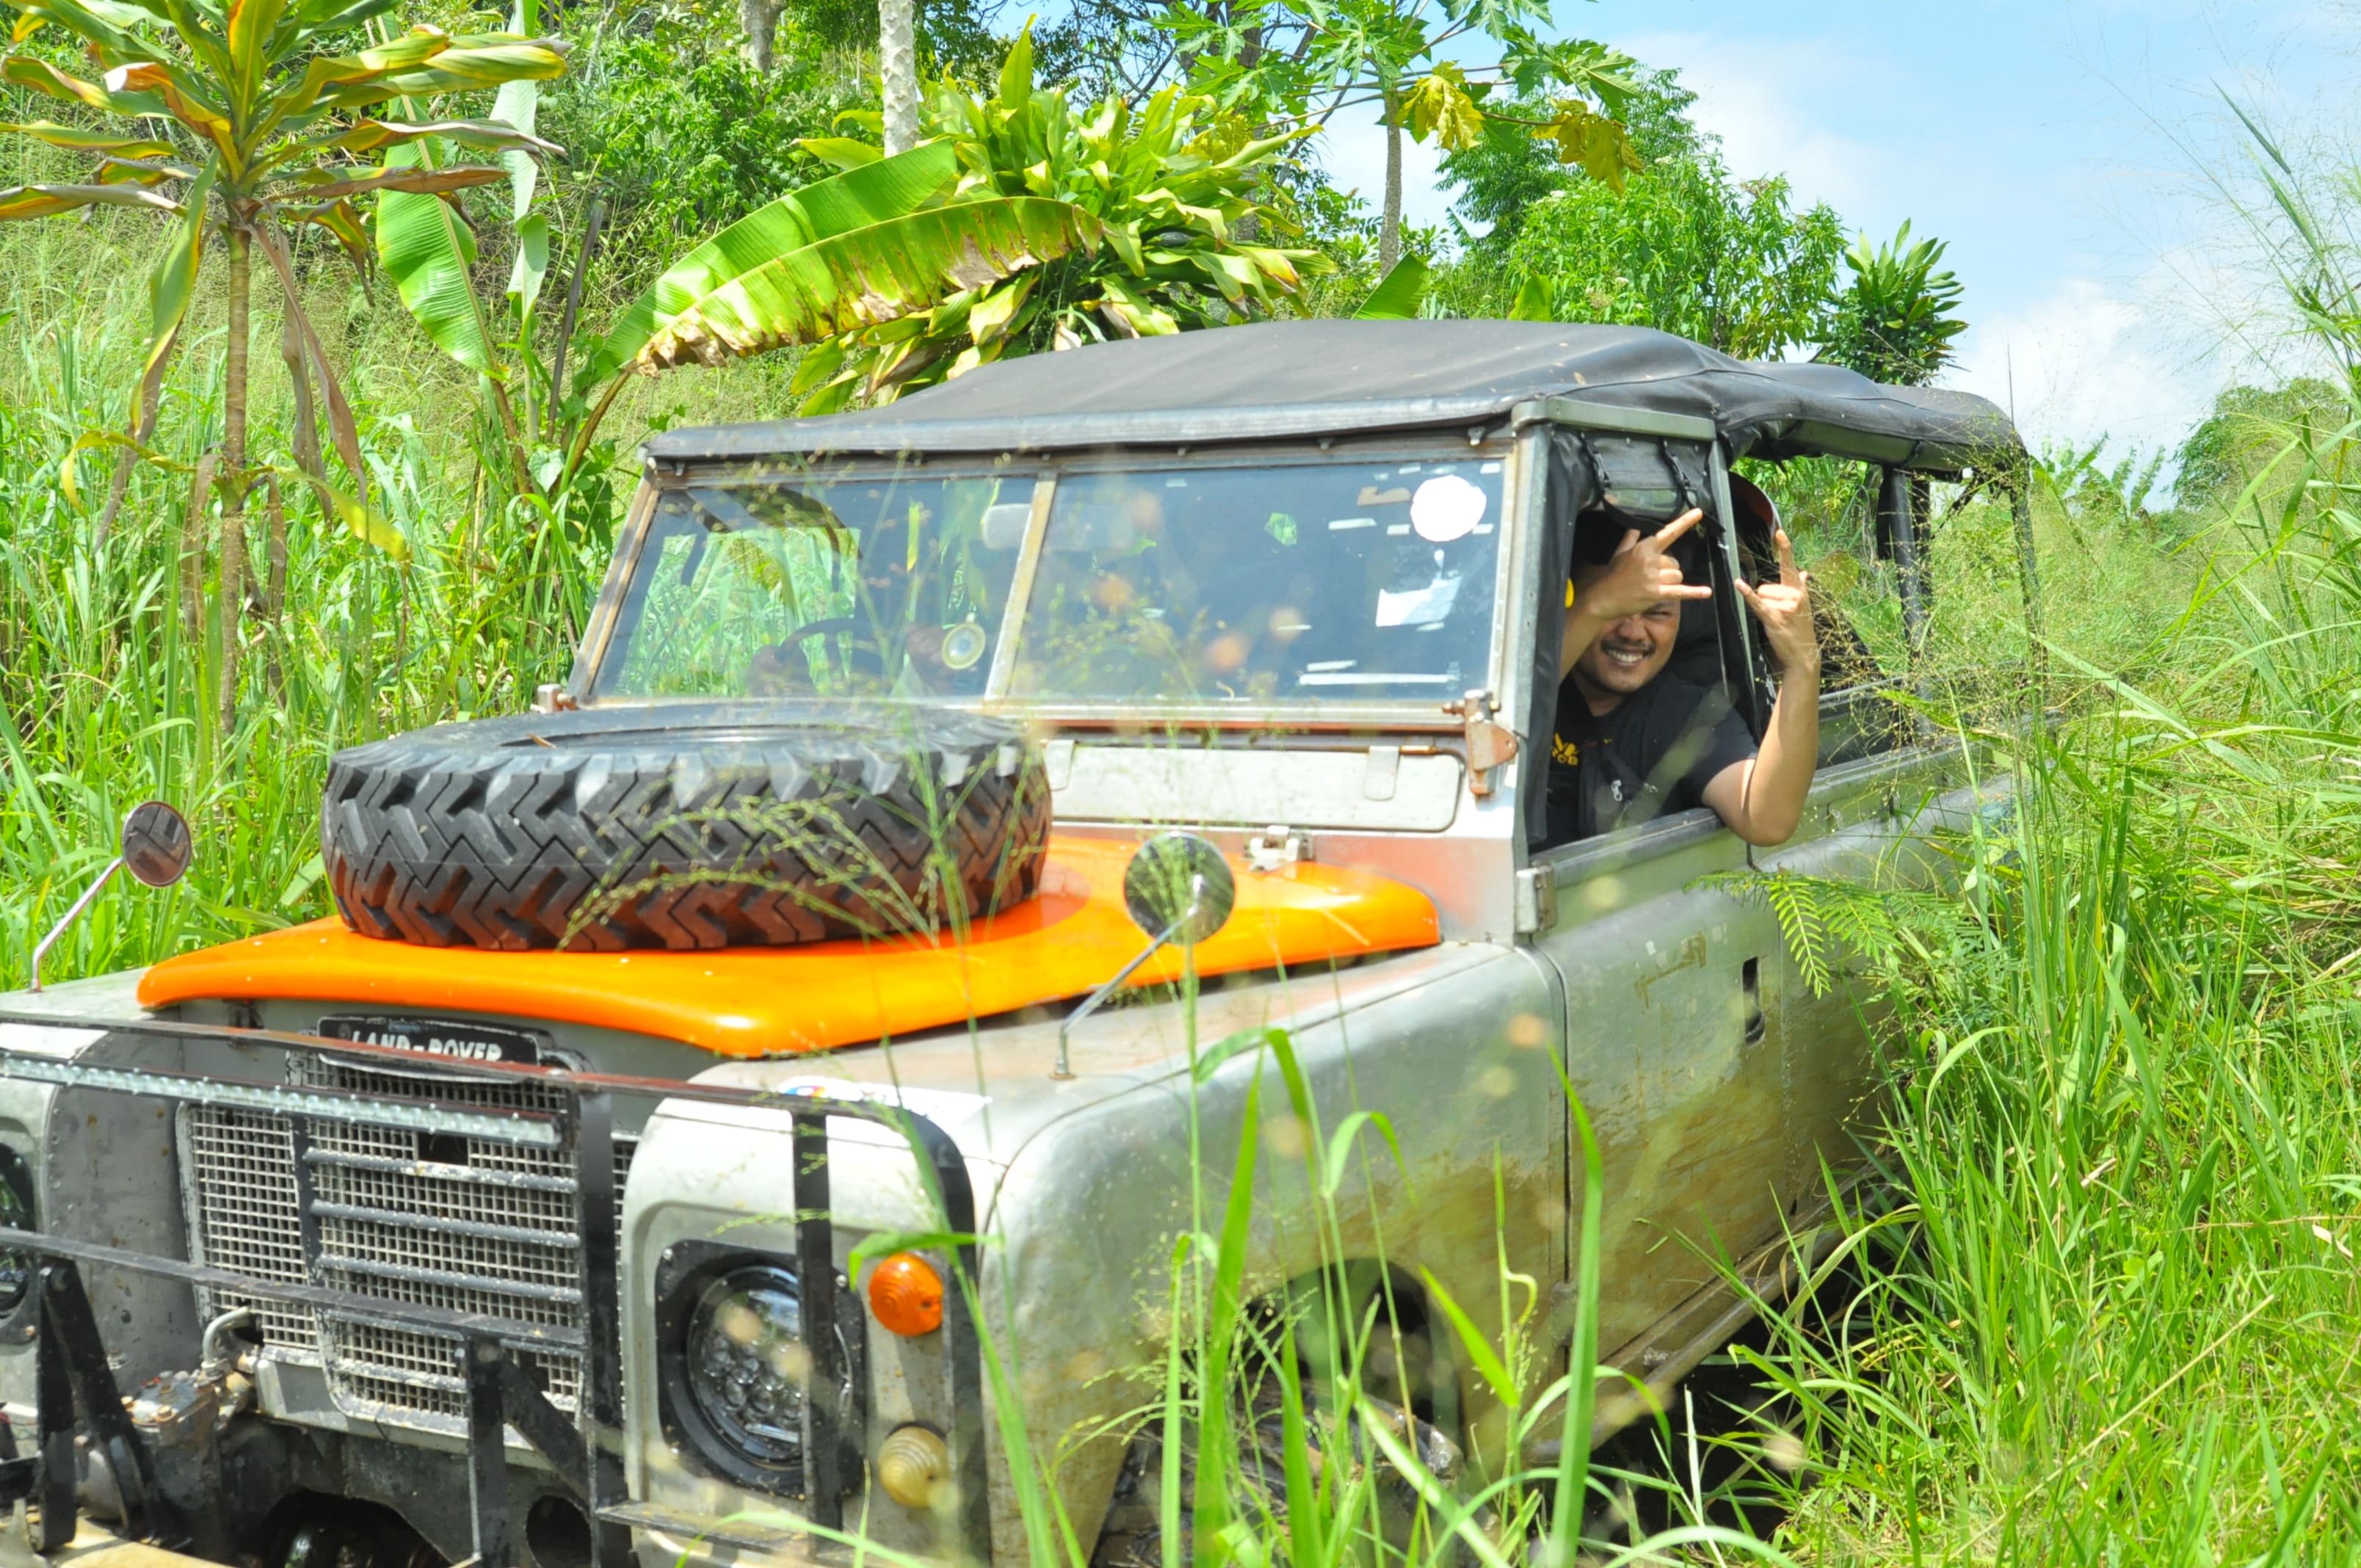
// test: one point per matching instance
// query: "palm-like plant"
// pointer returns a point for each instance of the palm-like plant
(242, 122)
(1897, 323)
(1173, 187)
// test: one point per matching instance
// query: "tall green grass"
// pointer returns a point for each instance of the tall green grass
(2109, 1316)
(103, 674)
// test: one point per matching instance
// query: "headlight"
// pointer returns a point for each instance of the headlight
(747, 1366)
(734, 1367)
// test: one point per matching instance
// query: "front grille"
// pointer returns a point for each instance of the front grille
(464, 1224)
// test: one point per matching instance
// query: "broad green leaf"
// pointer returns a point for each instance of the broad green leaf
(251, 24)
(363, 521)
(843, 152)
(370, 136)
(1399, 294)
(1439, 107)
(415, 182)
(859, 198)
(427, 252)
(869, 275)
(531, 264)
(42, 77)
(88, 140)
(1532, 302)
(43, 200)
(517, 104)
(1601, 145)
(1017, 71)
(174, 280)
(458, 70)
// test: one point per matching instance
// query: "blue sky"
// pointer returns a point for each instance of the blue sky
(2066, 150)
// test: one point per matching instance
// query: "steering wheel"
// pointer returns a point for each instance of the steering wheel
(866, 657)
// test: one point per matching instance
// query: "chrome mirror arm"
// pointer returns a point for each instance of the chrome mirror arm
(70, 916)
(1115, 983)
(1091, 1003)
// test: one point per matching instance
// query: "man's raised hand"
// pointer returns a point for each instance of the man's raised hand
(1783, 610)
(1642, 574)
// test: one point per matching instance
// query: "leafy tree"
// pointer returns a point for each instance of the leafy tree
(242, 123)
(2248, 428)
(1173, 187)
(1506, 170)
(2090, 492)
(1289, 64)
(1895, 323)
(1685, 248)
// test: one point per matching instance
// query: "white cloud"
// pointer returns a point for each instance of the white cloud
(1765, 99)
(2087, 360)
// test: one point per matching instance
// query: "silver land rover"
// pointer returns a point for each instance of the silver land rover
(730, 1095)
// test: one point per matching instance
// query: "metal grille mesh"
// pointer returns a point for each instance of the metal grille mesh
(465, 1224)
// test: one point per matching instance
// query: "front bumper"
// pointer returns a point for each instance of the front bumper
(494, 1363)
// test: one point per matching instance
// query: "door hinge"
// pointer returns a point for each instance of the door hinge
(1536, 899)
(1489, 744)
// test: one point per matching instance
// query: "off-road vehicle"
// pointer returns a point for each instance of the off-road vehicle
(513, 1214)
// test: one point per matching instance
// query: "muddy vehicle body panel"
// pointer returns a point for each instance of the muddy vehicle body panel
(1722, 1089)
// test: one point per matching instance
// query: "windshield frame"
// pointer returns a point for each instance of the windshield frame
(1425, 711)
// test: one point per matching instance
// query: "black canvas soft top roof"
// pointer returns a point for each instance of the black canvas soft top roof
(1304, 379)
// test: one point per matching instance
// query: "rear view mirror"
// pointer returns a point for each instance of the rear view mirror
(154, 846)
(1178, 889)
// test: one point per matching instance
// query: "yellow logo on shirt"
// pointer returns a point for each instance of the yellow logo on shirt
(1564, 751)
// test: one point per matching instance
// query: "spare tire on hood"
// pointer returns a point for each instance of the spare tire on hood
(691, 825)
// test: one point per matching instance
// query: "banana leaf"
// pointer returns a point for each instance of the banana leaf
(1399, 294)
(870, 275)
(427, 252)
(859, 198)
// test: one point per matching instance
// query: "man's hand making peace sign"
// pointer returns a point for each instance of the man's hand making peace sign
(1620, 634)
(1784, 610)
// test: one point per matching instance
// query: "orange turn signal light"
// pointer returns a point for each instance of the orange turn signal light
(907, 1295)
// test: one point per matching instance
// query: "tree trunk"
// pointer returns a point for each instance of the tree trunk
(898, 58)
(233, 527)
(761, 20)
(1390, 228)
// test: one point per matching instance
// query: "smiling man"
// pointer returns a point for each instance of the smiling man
(1634, 743)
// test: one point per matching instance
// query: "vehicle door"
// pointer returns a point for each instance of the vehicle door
(1665, 1039)
(1887, 778)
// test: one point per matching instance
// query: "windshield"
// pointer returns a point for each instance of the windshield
(1263, 583)
(1313, 580)
(864, 587)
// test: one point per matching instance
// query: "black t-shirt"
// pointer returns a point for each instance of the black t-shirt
(1649, 756)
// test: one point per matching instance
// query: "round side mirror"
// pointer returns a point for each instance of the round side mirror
(156, 843)
(1179, 882)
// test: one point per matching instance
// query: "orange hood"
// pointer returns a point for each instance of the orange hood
(745, 1001)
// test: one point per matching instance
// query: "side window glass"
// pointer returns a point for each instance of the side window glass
(1829, 508)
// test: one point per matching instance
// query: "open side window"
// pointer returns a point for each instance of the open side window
(1600, 486)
